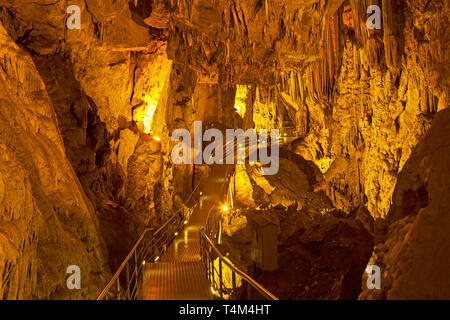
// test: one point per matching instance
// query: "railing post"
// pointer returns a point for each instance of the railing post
(150, 255)
(220, 278)
(233, 280)
(211, 269)
(136, 266)
(127, 292)
(118, 288)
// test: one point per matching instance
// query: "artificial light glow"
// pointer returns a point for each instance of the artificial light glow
(148, 115)
(157, 138)
(156, 259)
(151, 89)
(225, 208)
(176, 234)
(185, 222)
(143, 262)
(239, 103)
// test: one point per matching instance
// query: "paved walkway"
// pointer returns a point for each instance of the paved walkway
(180, 275)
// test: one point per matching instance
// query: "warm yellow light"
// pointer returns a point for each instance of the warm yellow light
(151, 84)
(240, 101)
(176, 234)
(156, 259)
(157, 138)
(148, 115)
(185, 222)
(213, 291)
(143, 262)
(225, 208)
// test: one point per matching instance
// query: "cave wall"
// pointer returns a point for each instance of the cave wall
(414, 252)
(98, 83)
(381, 109)
(47, 221)
(362, 100)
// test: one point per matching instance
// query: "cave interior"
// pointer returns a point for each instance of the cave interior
(353, 93)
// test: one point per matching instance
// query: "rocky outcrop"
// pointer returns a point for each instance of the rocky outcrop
(99, 105)
(47, 221)
(322, 252)
(323, 259)
(294, 185)
(99, 83)
(320, 255)
(413, 256)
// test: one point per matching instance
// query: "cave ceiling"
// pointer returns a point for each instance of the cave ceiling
(248, 41)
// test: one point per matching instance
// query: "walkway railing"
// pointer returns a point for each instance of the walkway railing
(126, 282)
(225, 278)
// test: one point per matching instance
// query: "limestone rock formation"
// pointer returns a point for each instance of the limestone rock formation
(47, 222)
(86, 117)
(414, 255)
(97, 85)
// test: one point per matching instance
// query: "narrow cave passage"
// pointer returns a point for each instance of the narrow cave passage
(228, 150)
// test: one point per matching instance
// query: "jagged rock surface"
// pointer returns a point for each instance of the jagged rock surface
(414, 254)
(47, 221)
(360, 100)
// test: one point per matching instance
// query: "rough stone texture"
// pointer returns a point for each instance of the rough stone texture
(414, 255)
(321, 255)
(367, 96)
(359, 101)
(96, 81)
(47, 222)
(323, 259)
(293, 185)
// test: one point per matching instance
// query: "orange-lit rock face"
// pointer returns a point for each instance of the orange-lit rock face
(347, 17)
(42, 202)
(86, 117)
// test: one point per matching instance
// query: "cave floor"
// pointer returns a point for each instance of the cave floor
(180, 275)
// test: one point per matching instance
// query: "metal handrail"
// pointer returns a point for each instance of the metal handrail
(156, 242)
(209, 263)
(125, 262)
(266, 293)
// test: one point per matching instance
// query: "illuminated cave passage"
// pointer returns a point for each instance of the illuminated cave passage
(88, 180)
